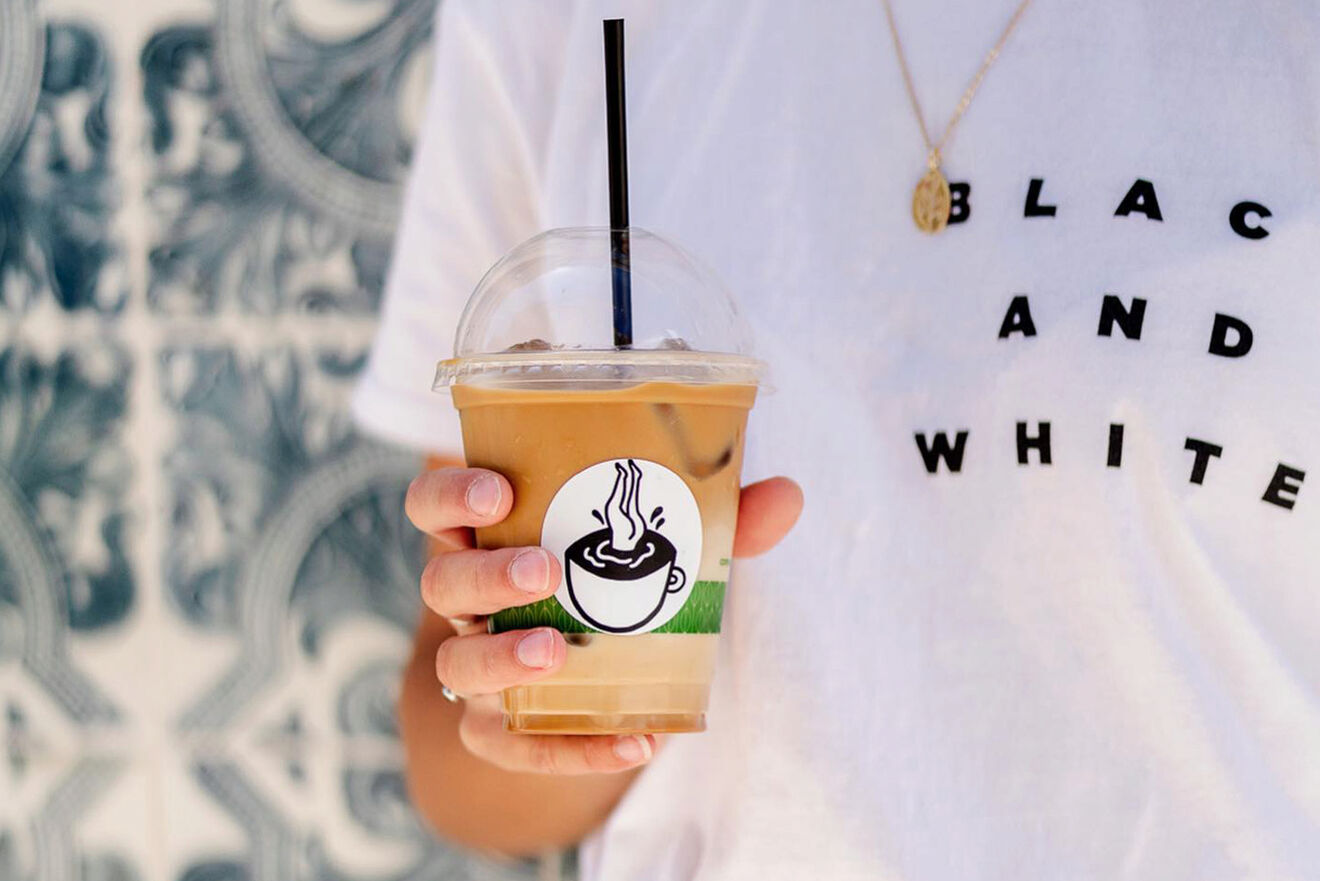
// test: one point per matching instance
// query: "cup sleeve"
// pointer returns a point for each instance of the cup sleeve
(472, 194)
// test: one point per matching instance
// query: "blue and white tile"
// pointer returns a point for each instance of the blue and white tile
(64, 525)
(280, 137)
(77, 817)
(306, 813)
(207, 584)
(287, 538)
(58, 190)
(285, 527)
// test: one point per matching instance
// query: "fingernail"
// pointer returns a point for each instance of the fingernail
(483, 496)
(536, 649)
(530, 571)
(633, 750)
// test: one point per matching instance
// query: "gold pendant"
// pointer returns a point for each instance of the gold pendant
(931, 201)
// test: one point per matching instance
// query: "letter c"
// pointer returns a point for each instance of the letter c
(1237, 218)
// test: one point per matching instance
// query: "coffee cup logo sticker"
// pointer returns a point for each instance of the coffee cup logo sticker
(628, 535)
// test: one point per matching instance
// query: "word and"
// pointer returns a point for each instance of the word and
(1230, 337)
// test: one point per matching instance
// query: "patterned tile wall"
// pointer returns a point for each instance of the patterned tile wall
(206, 584)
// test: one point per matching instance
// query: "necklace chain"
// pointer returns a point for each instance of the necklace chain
(933, 150)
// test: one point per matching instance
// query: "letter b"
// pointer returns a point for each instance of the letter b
(960, 203)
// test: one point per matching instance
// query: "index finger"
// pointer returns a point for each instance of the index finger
(447, 498)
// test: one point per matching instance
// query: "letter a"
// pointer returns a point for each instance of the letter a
(1017, 319)
(1141, 199)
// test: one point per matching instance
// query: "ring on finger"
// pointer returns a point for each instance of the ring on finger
(449, 694)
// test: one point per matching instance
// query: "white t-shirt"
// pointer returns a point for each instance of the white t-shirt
(1101, 666)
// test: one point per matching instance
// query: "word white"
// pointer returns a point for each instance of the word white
(1282, 489)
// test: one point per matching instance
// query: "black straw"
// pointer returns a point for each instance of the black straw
(616, 126)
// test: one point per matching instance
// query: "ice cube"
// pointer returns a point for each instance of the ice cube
(536, 345)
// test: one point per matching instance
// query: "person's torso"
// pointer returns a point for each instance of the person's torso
(968, 662)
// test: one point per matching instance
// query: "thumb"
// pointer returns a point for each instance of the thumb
(766, 512)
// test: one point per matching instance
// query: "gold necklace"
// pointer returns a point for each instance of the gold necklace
(931, 201)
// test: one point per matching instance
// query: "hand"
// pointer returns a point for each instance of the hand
(464, 585)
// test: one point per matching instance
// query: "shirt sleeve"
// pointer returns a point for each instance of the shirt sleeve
(473, 193)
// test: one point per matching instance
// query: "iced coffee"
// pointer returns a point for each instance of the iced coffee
(636, 564)
(625, 464)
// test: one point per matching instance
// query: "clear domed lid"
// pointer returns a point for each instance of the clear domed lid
(544, 313)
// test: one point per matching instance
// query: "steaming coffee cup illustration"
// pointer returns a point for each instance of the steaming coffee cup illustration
(627, 533)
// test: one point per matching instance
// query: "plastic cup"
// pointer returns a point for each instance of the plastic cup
(625, 464)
